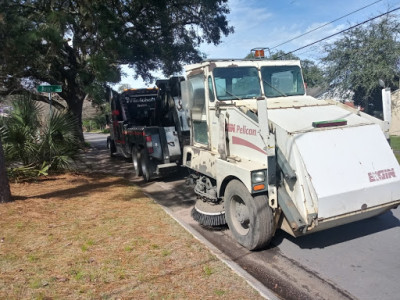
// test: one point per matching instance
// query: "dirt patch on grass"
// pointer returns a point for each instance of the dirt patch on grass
(92, 236)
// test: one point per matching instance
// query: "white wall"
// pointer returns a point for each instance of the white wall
(395, 126)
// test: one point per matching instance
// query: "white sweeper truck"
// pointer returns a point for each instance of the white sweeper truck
(265, 156)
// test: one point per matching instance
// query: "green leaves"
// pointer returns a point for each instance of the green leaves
(363, 56)
(145, 34)
(32, 147)
(19, 131)
(59, 141)
(313, 75)
(81, 44)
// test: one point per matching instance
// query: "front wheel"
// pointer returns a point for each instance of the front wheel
(249, 218)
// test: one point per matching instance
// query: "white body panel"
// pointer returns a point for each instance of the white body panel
(182, 114)
(299, 119)
(172, 141)
(334, 165)
(245, 139)
(342, 165)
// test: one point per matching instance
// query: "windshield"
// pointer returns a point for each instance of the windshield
(236, 83)
(139, 109)
(282, 81)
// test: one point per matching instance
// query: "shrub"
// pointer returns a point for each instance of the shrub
(32, 147)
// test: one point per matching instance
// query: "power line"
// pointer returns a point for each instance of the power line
(319, 27)
(332, 35)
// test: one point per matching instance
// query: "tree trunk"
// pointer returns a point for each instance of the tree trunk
(75, 107)
(5, 194)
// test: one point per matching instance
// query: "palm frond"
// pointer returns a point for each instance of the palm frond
(60, 140)
(34, 147)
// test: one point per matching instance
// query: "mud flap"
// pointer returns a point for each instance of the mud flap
(290, 211)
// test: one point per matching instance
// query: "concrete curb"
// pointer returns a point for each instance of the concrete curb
(254, 283)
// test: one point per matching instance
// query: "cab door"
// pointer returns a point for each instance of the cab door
(194, 91)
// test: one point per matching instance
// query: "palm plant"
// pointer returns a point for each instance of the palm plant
(31, 147)
(20, 131)
(59, 141)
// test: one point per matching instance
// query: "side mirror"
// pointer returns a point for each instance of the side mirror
(108, 121)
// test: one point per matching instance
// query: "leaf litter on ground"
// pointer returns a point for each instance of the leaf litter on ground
(74, 236)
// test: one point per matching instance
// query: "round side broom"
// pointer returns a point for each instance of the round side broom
(209, 214)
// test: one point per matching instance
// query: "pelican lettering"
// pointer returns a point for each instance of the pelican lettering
(241, 129)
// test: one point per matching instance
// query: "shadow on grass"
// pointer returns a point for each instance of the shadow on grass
(83, 188)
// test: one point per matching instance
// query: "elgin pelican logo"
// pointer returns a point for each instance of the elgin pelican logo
(381, 175)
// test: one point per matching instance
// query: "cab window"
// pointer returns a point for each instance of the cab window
(211, 89)
(282, 81)
(237, 83)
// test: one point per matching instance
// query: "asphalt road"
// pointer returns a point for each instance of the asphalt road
(354, 261)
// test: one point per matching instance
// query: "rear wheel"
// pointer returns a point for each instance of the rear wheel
(137, 169)
(147, 165)
(111, 146)
(249, 218)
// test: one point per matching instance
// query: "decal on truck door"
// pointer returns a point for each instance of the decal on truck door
(241, 129)
(239, 141)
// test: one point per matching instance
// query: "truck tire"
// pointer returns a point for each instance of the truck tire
(137, 168)
(146, 165)
(249, 218)
(111, 146)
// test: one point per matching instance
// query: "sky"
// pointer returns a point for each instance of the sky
(269, 23)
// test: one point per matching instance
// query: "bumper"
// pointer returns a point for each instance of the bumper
(322, 224)
(165, 169)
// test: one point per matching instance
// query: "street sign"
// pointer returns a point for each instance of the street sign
(49, 89)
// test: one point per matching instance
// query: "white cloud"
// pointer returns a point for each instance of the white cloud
(129, 78)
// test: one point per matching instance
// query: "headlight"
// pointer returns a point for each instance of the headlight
(258, 176)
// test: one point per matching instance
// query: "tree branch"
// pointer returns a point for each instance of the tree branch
(34, 96)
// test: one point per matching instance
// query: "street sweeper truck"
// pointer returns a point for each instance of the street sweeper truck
(265, 156)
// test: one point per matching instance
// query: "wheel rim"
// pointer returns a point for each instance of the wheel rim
(145, 166)
(144, 169)
(240, 215)
(135, 162)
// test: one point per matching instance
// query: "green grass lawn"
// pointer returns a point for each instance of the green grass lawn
(395, 143)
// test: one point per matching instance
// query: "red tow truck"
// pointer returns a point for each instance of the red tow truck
(149, 126)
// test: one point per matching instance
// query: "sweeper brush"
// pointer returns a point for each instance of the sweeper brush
(209, 214)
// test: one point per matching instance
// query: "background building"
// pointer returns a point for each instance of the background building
(395, 126)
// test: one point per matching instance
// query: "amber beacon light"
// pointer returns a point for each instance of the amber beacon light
(259, 52)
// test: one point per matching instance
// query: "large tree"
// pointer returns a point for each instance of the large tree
(361, 57)
(5, 194)
(81, 44)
